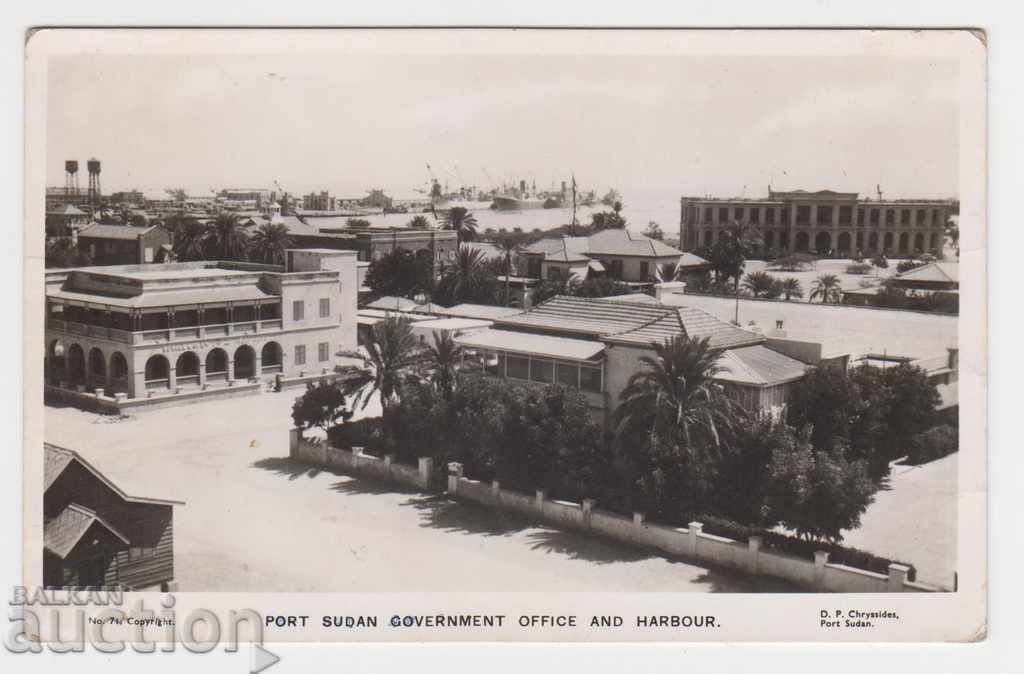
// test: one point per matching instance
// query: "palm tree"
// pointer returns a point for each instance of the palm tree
(190, 239)
(269, 243)
(419, 222)
(791, 287)
(392, 354)
(461, 277)
(668, 272)
(462, 222)
(827, 288)
(510, 244)
(225, 238)
(759, 283)
(675, 395)
(443, 359)
(674, 404)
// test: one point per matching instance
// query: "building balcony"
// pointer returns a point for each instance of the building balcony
(175, 334)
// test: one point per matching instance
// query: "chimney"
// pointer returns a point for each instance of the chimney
(663, 290)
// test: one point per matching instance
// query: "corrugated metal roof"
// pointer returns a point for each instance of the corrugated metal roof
(116, 232)
(934, 272)
(586, 316)
(62, 533)
(534, 345)
(759, 365)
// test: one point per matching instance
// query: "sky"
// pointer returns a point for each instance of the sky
(658, 126)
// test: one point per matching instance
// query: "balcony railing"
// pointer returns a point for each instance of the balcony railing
(163, 334)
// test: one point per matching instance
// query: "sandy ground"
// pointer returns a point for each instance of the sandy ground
(915, 520)
(905, 333)
(256, 521)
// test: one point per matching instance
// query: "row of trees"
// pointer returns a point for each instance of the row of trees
(680, 445)
(224, 238)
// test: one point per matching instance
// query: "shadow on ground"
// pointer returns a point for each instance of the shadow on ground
(440, 512)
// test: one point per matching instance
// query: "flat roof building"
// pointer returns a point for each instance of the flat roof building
(828, 223)
(185, 331)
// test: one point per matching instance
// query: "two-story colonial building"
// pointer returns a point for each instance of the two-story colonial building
(195, 329)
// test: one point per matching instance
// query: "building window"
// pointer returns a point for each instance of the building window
(517, 367)
(298, 310)
(824, 215)
(644, 270)
(922, 216)
(325, 307)
(769, 216)
(860, 216)
(707, 215)
(755, 214)
(905, 216)
(874, 217)
(568, 374)
(803, 215)
(845, 215)
(323, 351)
(737, 213)
(300, 354)
(890, 217)
(542, 371)
(590, 378)
(723, 215)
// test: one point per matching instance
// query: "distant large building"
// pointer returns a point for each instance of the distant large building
(190, 330)
(322, 201)
(824, 222)
(123, 244)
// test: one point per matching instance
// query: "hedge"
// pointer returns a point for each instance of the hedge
(798, 547)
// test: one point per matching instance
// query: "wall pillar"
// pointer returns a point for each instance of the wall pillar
(172, 378)
(753, 552)
(695, 529)
(454, 475)
(897, 577)
(588, 511)
(820, 560)
(425, 466)
(202, 373)
(538, 499)
(231, 368)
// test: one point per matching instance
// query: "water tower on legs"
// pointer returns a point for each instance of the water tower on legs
(93, 166)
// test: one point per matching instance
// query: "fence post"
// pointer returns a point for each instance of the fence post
(538, 500)
(588, 511)
(695, 529)
(294, 437)
(820, 560)
(753, 552)
(638, 519)
(426, 470)
(388, 460)
(897, 577)
(495, 492)
(454, 475)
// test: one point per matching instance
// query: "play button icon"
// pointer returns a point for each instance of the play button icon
(262, 658)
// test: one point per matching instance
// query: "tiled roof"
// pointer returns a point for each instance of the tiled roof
(606, 242)
(585, 316)
(759, 365)
(694, 323)
(625, 242)
(119, 232)
(691, 260)
(535, 345)
(935, 272)
(56, 459)
(484, 311)
(62, 533)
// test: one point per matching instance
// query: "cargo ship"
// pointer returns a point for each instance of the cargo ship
(519, 200)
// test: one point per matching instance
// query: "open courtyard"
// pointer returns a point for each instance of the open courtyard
(256, 521)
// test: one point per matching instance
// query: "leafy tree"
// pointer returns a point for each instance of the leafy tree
(818, 494)
(601, 286)
(392, 354)
(759, 283)
(269, 243)
(400, 273)
(607, 220)
(953, 234)
(826, 400)
(560, 283)
(62, 253)
(668, 272)
(419, 222)
(654, 231)
(321, 406)
(671, 415)
(791, 288)
(880, 262)
(462, 222)
(827, 288)
(467, 279)
(225, 239)
(911, 407)
(730, 253)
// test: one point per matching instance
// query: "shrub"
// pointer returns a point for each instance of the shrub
(797, 547)
(321, 406)
(907, 265)
(932, 444)
(858, 268)
(362, 433)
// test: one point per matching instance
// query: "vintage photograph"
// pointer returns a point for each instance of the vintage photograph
(504, 311)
